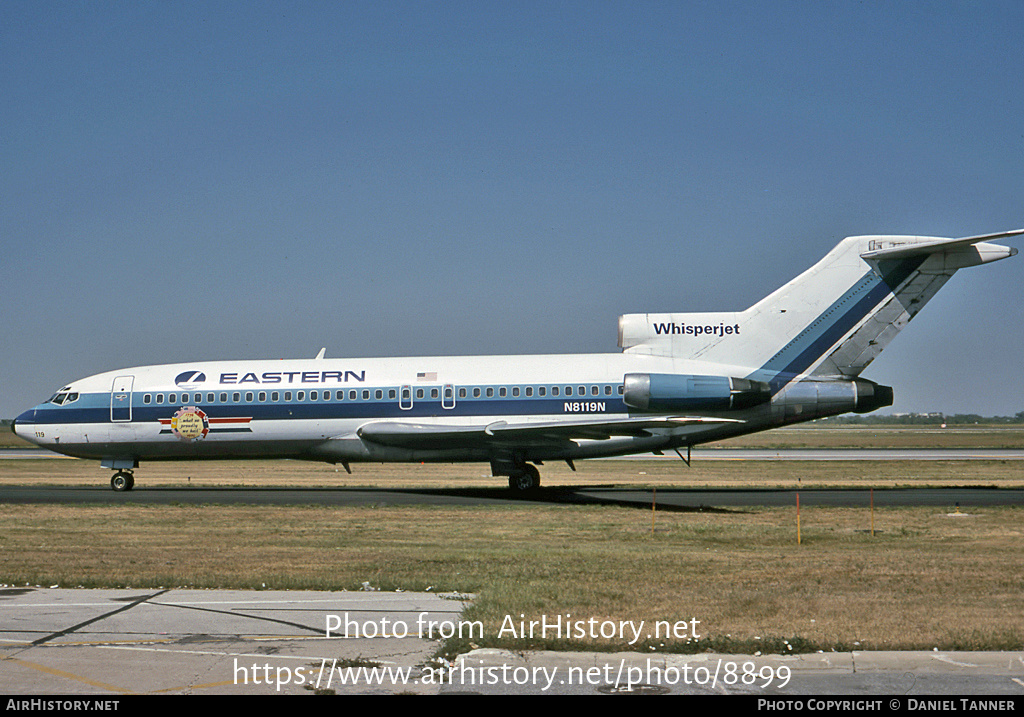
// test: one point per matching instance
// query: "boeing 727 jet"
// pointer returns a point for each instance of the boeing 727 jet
(681, 379)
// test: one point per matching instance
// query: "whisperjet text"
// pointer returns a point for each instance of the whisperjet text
(662, 329)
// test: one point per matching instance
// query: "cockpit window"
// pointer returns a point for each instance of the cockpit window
(64, 396)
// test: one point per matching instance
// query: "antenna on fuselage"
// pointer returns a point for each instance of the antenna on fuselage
(321, 354)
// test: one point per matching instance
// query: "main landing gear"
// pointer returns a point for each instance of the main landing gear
(122, 481)
(525, 477)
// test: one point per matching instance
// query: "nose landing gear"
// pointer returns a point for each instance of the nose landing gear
(122, 481)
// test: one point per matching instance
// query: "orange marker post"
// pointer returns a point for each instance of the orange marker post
(798, 519)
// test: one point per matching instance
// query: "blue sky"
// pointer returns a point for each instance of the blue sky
(187, 181)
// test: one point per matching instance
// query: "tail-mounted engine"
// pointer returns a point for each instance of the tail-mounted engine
(684, 392)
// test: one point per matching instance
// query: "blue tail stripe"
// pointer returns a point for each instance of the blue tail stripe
(822, 334)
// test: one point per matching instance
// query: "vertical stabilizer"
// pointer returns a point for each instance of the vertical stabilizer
(831, 320)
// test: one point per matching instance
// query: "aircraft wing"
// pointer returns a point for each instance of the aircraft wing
(428, 435)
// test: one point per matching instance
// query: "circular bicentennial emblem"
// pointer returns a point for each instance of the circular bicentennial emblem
(190, 423)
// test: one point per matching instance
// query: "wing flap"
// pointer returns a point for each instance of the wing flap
(427, 435)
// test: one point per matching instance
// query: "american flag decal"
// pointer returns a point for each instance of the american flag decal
(427, 376)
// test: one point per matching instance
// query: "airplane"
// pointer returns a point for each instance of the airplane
(681, 379)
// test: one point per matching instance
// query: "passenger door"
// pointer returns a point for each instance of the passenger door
(121, 399)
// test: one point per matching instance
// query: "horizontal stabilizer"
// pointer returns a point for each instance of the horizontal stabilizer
(900, 248)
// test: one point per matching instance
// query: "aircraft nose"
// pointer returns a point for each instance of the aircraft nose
(22, 425)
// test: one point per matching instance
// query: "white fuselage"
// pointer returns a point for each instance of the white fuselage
(314, 408)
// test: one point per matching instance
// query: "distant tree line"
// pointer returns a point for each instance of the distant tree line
(923, 419)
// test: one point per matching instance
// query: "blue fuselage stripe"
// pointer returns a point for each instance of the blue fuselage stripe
(334, 410)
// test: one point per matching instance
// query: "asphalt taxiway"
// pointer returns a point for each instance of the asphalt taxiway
(669, 499)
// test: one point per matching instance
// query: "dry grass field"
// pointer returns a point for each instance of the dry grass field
(925, 580)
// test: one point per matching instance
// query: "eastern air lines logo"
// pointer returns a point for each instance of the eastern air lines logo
(190, 380)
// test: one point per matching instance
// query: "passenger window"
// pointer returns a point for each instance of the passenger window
(593, 390)
(300, 396)
(146, 398)
(529, 391)
(159, 398)
(236, 397)
(352, 395)
(502, 392)
(209, 398)
(263, 396)
(490, 393)
(313, 395)
(287, 395)
(434, 394)
(248, 397)
(223, 398)
(542, 391)
(275, 396)
(339, 395)
(462, 393)
(419, 393)
(378, 394)
(476, 393)
(515, 391)
(172, 398)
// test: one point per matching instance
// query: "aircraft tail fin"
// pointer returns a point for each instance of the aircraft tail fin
(831, 320)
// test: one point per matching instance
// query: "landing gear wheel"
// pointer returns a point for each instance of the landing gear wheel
(122, 481)
(525, 480)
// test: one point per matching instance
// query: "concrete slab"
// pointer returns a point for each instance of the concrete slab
(61, 641)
